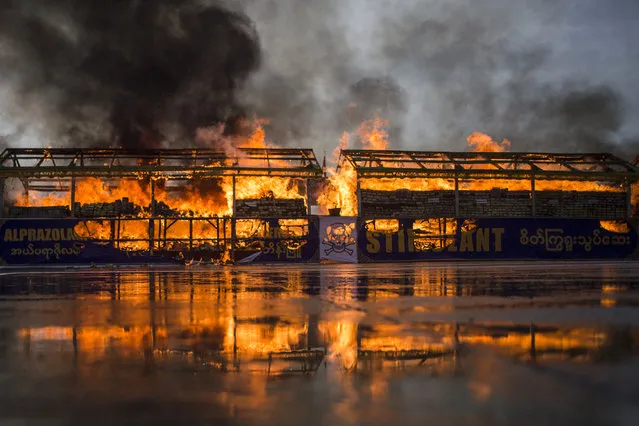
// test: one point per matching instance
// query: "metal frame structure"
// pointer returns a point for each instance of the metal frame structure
(489, 165)
(56, 170)
(456, 166)
(162, 163)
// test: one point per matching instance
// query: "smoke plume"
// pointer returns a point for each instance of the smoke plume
(124, 72)
(437, 70)
(545, 75)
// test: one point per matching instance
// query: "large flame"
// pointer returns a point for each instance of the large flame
(342, 189)
(213, 198)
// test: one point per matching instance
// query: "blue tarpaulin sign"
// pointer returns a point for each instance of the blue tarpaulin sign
(503, 239)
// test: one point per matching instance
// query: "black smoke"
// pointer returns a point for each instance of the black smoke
(128, 73)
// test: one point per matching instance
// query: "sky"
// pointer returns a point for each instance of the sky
(555, 75)
(462, 66)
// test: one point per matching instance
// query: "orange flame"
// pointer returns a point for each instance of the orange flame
(342, 188)
(213, 198)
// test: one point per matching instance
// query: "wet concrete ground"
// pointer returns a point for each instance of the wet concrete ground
(523, 343)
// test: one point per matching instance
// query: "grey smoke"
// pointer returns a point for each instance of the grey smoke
(547, 75)
(457, 66)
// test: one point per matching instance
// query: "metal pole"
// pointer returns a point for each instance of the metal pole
(533, 197)
(152, 219)
(308, 197)
(359, 200)
(233, 219)
(456, 197)
(73, 197)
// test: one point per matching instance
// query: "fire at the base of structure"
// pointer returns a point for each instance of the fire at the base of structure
(207, 204)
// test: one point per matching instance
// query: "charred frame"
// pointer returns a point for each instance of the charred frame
(477, 166)
(56, 170)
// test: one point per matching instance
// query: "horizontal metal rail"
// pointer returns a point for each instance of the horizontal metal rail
(169, 164)
(489, 165)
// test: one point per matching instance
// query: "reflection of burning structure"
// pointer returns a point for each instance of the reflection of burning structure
(201, 203)
(224, 322)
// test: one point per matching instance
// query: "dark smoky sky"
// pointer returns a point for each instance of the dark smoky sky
(546, 74)
(131, 73)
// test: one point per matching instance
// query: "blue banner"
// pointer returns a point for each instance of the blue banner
(277, 248)
(54, 241)
(502, 239)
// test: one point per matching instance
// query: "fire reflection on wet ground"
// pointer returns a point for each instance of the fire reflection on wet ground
(463, 343)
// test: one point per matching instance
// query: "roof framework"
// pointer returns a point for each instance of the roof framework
(489, 165)
(164, 163)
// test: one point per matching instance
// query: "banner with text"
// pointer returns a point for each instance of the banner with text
(499, 238)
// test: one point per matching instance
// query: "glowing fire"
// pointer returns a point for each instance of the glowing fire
(175, 208)
(480, 142)
(208, 198)
(342, 190)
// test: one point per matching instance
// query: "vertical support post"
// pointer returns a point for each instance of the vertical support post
(152, 219)
(162, 226)
(456, 196)
(117, 240)
(628, 199)
(533, 197)
(113, 235)
(233, 219)
(308, 198)
(1, 197)
(223, 231)
(218, 231)
(359, 199)
(73, 196)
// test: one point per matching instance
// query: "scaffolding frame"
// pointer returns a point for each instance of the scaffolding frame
(57, 170)
(465, 166)
(489, 165)
(170, 164)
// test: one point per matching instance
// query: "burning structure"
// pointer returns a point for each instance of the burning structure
(197, 204)
(486, 203)
(254, 204)
(402, 184)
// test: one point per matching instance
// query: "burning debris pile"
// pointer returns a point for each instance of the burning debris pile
(118, 208)
(406, 203)
(270, 207)
(575, 204)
